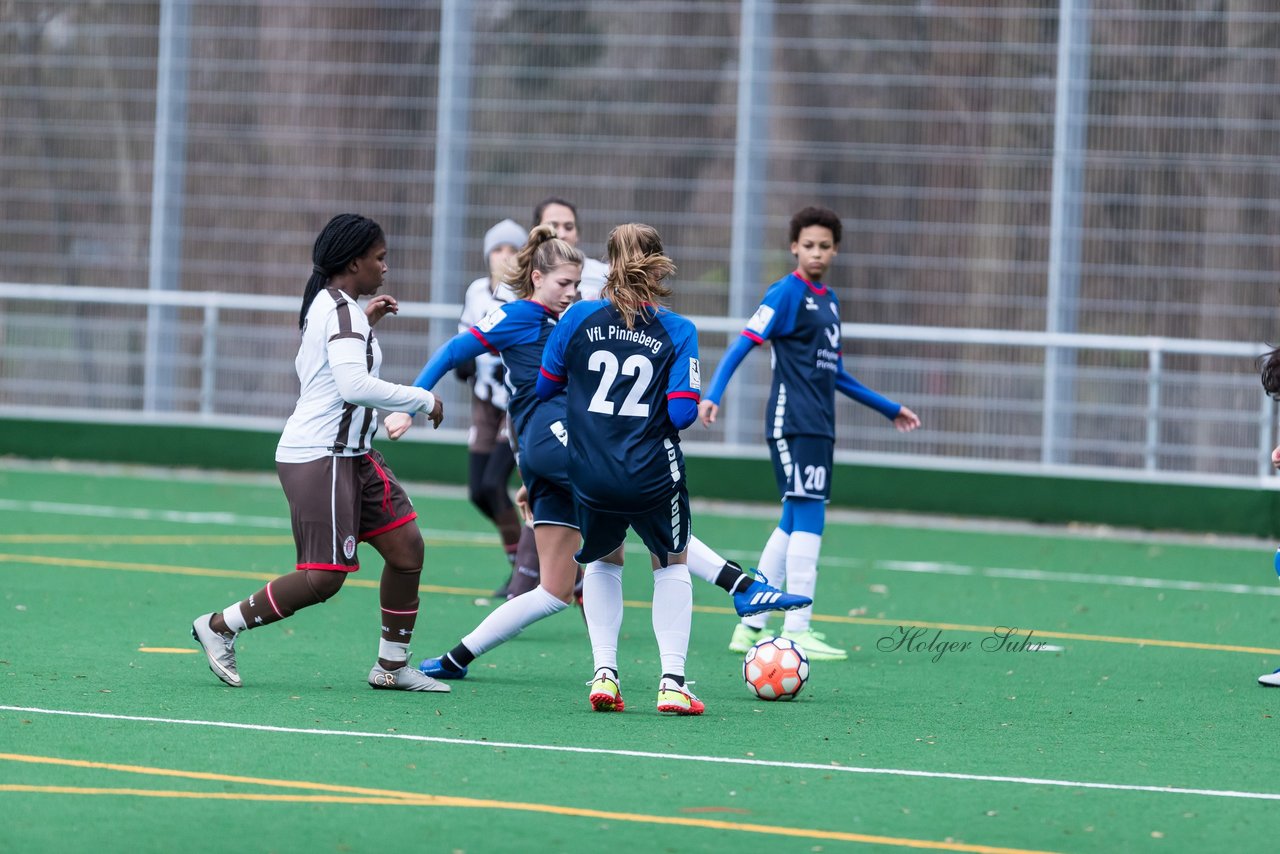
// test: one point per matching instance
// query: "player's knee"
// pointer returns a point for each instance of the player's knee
(325, 583)
(479, 498)
(409, 552)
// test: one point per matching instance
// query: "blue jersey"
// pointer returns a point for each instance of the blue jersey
(802, 320)
(624, 452)
(518, 331)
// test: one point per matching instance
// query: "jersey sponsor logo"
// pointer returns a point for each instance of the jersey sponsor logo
(809, 304)
(695, 374)
(491, 319)
(833, 335)
(760, 320)
(349, 547)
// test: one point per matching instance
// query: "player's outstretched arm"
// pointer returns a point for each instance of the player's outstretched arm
(906, 420)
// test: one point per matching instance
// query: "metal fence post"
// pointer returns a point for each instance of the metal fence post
(750, 162)
(168, 171)
(1062, 297)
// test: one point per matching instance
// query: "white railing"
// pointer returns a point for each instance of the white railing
(1164, 409)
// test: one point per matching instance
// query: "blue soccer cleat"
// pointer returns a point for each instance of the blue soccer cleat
(760, 596)
(434, 667)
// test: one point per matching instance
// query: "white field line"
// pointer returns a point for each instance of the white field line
(927, 567)
(668, 757)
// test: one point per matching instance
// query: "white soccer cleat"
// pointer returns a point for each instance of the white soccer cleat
(219, 649)
(1271, 680)
(405, 679)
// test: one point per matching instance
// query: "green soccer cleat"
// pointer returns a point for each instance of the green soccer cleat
(606, 694)
(676, 699)
(745, 637)
(815, 646)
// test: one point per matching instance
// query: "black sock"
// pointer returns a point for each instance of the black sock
(457, 658)
(732, 579)
(679, 680)
(609, 670)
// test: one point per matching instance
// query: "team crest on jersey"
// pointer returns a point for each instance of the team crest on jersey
(760, 320)
(491, 319)
(833, 335)
(349, 547)
(695, 374)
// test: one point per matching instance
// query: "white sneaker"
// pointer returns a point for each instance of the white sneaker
(405, 679)
(219, 649)
(1271, 680)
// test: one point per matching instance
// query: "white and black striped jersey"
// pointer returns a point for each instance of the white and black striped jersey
(594, 274)
(339, 351)
(481, 298)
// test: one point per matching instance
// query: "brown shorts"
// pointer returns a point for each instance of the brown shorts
(335, 502)
(488, 427)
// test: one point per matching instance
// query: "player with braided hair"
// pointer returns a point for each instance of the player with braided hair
(340, 490)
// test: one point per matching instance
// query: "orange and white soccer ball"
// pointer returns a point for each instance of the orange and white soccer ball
(775, 669)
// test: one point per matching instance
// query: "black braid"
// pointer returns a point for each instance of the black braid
(346, 237)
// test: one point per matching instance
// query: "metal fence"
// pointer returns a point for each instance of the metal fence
(1040, 168)
(1148, 407)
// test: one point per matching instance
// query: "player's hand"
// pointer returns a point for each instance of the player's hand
(379, 307)
(906, 421)
(1275, 457)
(707, 412)
(436, 415)
(522, 501)
(397, 424)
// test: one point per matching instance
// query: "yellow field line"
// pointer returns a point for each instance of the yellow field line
(207, 572)
(44, 560)
(360, 795)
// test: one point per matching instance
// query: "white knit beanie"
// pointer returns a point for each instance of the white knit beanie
(509, 232)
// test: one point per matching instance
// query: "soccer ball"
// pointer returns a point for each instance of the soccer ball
(775, 669)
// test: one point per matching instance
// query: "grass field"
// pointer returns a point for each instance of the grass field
(1138, 727)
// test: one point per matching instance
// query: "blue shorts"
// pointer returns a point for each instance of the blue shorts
(544, 468)
(802, 466)
(664, 529)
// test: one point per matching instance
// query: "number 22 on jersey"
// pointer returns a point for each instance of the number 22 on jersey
(605, 362)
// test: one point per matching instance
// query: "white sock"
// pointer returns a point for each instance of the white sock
(234, 619)
(602, 606)
(773, 566)
(392, 651)
(703, 562)
(672, 615)
(510, 618)
(802, 576)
